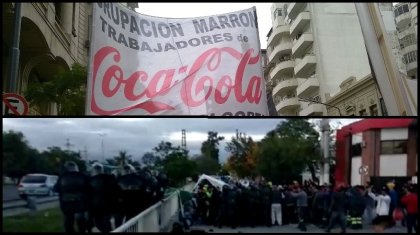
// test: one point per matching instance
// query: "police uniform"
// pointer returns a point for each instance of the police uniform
(73, 189)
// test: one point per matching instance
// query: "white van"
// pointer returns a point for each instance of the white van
(37, 184)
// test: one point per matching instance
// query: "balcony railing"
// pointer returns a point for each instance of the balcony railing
(300, 22)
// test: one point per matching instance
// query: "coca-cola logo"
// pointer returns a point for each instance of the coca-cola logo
(114, 81)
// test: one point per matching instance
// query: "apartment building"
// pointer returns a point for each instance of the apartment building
(53, 36)
(406, 25)
(312, 49)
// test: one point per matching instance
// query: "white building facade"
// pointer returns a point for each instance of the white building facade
(312, 49)
(405, 15)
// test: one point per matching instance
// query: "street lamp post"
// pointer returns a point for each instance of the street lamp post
(14, 50)
(314, 101)
(102, 144)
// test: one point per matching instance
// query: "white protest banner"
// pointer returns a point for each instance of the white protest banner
(144, 65)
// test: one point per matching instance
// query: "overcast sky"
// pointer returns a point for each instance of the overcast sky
(135, 135)
(186, 10)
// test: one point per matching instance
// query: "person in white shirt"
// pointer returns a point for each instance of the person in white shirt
(382, 209)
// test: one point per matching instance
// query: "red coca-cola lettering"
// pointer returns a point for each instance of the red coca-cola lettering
(191, 87)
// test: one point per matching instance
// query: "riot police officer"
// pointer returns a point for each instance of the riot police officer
(73, 189)
(163, 184)
(131, 194)
(148, 189)
(103, 198)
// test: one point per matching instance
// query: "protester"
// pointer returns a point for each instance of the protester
(338, 207)
(382, 209)
(301, 204)
(410, 201)
(276, 209)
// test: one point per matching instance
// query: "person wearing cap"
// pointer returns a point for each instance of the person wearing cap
(73, 189)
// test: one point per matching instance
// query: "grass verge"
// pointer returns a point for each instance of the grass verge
(48, 220)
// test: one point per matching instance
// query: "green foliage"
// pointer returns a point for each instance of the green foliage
(150, 159)
(67, 90)
(178, 167)
(19, 158)
(173, 160)
(243, 156)
(49, 220)
(206, 165)
(209, 148)
(123, 158)
(288, 150)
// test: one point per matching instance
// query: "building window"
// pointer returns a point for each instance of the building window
(394, 147)
(374, 110)
(363, 112)
(356, 150)
(408, 41)
(401, 10)
(410, 57)
(58, 7)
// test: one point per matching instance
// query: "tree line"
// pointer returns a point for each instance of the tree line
(292, 147)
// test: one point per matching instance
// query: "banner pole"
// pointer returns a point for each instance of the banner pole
(260, 52)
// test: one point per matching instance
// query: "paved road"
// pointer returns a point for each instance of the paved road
(290, 229)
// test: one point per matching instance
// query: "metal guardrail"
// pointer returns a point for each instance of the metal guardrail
(156, 218)
(153, 219)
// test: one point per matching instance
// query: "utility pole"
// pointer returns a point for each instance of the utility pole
(14, 50)
(184, 140)
(85, 157)
(325, 129)
(68, 145)
(102, 135)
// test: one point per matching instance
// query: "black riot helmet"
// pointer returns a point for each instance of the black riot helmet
(127, 169)
(71, 166)
(97, 168)
(162, 178)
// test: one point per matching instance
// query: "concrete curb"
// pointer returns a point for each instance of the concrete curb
(22, 203)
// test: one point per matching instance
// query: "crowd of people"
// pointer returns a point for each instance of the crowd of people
(94, 200)
(263, 204)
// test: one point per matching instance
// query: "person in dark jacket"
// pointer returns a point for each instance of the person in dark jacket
(131, 200)
(338, 208)
(223, 210)
(317, 206)
(163, 184)
(231, 208)
(73, 189)
(266, 205)
(103, 198)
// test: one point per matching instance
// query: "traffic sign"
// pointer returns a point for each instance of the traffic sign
(14, 105)
(364, 170)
